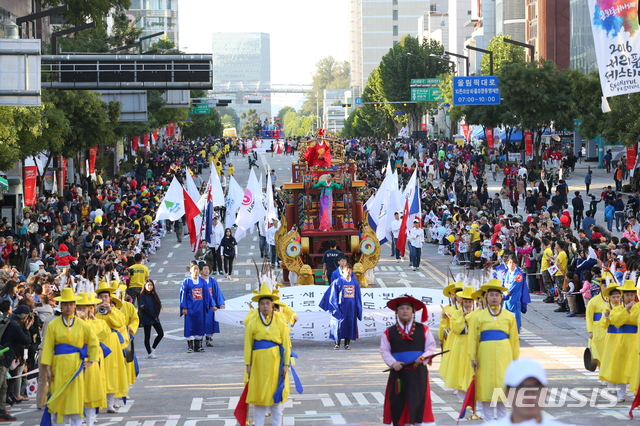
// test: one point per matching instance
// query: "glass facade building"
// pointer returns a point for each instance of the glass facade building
(154, 16)
(583, 51)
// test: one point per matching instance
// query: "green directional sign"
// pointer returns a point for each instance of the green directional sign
(426, 94)
(426, 81)
(200, 109)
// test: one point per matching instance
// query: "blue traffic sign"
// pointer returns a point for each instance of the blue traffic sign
(358, 101)
(481, 90)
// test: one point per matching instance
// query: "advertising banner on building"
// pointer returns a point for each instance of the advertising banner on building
(93, 152)
(488, 132)
(617, 42)
(528, 144)
(30, 179)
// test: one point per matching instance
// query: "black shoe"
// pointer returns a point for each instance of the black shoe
(200, 346)
(337, 346)
(549, 299)
(561, 309)
(209, 340)
(190, 343)
(6, 417)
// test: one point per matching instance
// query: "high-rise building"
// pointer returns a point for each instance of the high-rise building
(375, 27)
(510, 19)
(548, 29)
(582, 50)
(242, 62)
(154, 16)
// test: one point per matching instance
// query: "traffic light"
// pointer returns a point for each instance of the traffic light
(346, 105)
(433, 121)
(376, 105)
(405, 104)
(255, 101)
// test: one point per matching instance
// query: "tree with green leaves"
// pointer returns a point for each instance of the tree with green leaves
(284, 110)
(330, 74)
(503, 53)
(230, 112)
(82, 11)
(203, 125)
(251, 124)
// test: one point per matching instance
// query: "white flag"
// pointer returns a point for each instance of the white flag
(216, 187)
(272, 211)
(251, 210)
(191, 188)
(172, 205)
(234, 200)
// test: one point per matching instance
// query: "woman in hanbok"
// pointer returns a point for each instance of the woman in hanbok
(325, 213)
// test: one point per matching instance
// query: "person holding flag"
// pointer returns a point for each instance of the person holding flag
(416, 239)
(407, 348)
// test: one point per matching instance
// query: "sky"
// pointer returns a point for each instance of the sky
(302, 32)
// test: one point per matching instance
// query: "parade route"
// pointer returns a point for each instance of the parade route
(341, 387)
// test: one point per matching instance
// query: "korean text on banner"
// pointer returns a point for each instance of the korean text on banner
(30, 177)
(465, 131)
(617, 41)
(632, 153)
(528, 144)
(93, 152)
(489, 134)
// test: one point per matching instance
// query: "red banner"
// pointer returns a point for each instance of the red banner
(632, 152)
(488, 132)
(30, 178)
(528, 144)
(465, 131)
(155, 136)
(93, 152)
(64, 164)
(134, 143)
(145, 139)
(424, 127)
(171, 130)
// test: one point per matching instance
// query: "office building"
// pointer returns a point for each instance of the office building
(242, 62)
(548, 28)
(582, 52)
(375, 27)
(154, 16)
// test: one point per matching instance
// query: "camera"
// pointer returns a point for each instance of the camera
(102, 310)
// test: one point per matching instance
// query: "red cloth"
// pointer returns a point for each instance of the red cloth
(318, 155)
(401, 244)
(191, 212)
(240, 413)
(427, 416)
(469, 400)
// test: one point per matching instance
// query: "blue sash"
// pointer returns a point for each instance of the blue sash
(266, 344)
(625, 329)
(407, 356)
(105, 350)
(489, 335)
(597, 316)
(119, 335)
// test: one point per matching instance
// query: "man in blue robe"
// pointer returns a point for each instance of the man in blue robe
(514, 280)
(195, 302)
(342, 261)
(344, 302)
(211, 325)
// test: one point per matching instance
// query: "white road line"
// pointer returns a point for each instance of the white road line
(196, 404)
(252, 247)
(248, 287)
(248, 272)
(343, 399)
(420, 274)
(399, 268)
(177, 245)
(152, 265)
(403, 274)
(376, 269)
(255, 238)
(236, 272)
(383, 268)
(162, 269)
(170, 254)
(165, 262)
(381, 283)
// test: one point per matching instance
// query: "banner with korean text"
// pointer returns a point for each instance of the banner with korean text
(489, 134)
(528, 144)
(632, 153)
(93, 152)
(313, 323)
(617, 41)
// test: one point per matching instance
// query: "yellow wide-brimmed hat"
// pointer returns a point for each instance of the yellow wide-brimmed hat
(67, 295)
(612, 286)
(467, 293)
(85, 300)
(265, 292)
(103, 287)
(493, 284)
(628, 285)
(452, 288)
(479, 294)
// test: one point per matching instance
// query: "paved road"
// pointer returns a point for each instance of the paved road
(341, 387)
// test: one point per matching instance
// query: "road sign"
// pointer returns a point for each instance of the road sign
(426, 94)
(358, 101)
(476, 90)
(426, 81)
(200, 109)
(399, 113)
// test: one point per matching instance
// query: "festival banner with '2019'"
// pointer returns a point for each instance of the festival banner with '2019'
(616, 34)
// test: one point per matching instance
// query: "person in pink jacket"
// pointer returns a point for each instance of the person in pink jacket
(63, 258)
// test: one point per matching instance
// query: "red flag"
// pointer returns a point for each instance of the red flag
(489, 134)
(191, 212)
(635, 403)
(469, 400)
(401, 244)
(240, 413)
(528, 143)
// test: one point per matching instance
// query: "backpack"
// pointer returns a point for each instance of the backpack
(33, 228)
(4, 324)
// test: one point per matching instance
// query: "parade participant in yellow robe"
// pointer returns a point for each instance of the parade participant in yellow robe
(620, 320)
(69, 346)
(444, 328)
(95, 393)
(460, 373)
(493, 344)
(114, 365)
(596, 306)
(267, 348)
(132, 322)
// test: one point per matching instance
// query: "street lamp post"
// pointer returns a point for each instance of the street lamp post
(489, 52)
(466, 58)
(531, 47)
(440, 59)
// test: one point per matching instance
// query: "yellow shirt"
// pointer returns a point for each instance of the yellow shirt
(139, 274)
(475, 235)
(546, 255)
(561, 263)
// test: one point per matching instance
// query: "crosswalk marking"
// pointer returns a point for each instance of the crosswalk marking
(381, 283)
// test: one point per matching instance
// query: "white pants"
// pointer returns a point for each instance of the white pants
(194, 337)
(90, 415)
(490, 413)
(506, 203)
(260, 411)
(620, 388)
(72, 419)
